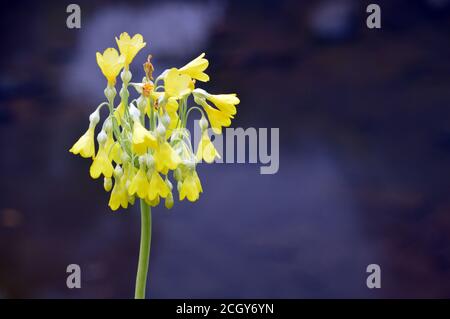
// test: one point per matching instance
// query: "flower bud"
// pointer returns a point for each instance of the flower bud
(142, 160)
(101, 137)
(125, 76)
(150, 161)
(177, 174)
(169, 201)
(94, 118)
(165, 119)
(125, 157)
(118, 171)
(142, 103)
(179, 184)
(203, 123)
(107, 125)
(161, 130)
(134, 112)
(110, 92)
(107, 184)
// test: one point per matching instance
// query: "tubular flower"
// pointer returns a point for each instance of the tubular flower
(119, 195)
(166, 158)
(191, 187)
(129, 47)
(145, 137)
(176, 84)
(85, 146)
(142, 139)
(196, 67)
(157, 187)
(206, 150)
(139, 185)
(101, 164)
(110, 63)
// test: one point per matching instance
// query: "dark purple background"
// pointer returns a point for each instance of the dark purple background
(364, 118)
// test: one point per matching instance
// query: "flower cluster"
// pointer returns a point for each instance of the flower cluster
(143, 140)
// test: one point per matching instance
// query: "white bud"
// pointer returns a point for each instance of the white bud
(118, 171)
(110, 92)
(203, 123)
(107, 126)
(150, 161)
(142, 103)
(94, 118)
(162, 100)
(161, 130)
(134, 112)
(101, 137)
(165, 119)
(125, 76)
(142, 160)
(125, 157)
(200, 92)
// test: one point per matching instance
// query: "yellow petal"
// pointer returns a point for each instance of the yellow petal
(177, 85)
(196, 67)
(85, 145)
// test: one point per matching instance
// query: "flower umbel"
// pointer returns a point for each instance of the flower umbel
(143, 141)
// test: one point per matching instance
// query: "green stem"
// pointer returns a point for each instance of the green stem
(144, 250)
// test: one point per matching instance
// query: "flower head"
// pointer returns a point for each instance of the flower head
(143, 139)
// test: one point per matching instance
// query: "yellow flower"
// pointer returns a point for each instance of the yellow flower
(166, 158)
(195, 68)
(224, 102)
(139, 184)
(119, 113)
(191, 187)
(206, 149)
(113, 149)
(110, 63)
(101, 164)
(177, 85)
(142, 138)
(119, 195)
(157, 187)
(218, 119)
(85, 145)
(129, 47)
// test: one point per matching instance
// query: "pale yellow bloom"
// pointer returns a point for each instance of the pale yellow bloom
(119, 195)
(139, 184)
(142, 139)
(85, 146)
(110, 63)
(157, 187)
(176, 84)
(129, 47)
(206, 149)
(166, 158)
(101, 164)
(191, 187)
(196, 67)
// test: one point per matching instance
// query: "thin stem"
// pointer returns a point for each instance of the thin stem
(144, 250)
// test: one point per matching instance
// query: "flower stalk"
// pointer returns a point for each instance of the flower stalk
(144, 250)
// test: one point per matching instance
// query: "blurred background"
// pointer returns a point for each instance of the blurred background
(364, 118)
